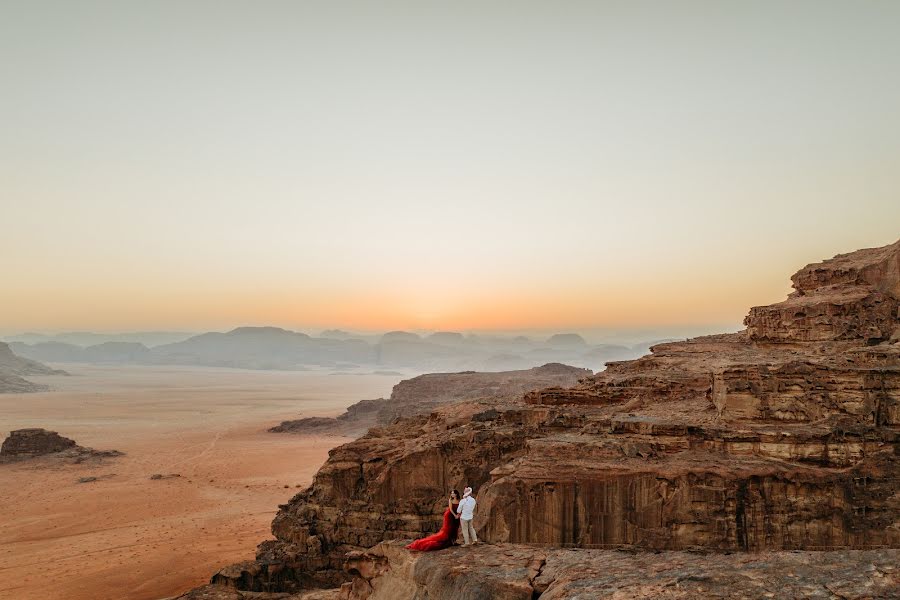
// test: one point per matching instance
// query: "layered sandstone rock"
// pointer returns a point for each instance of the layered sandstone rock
(781, 437)
(422, 394)
(852, 296)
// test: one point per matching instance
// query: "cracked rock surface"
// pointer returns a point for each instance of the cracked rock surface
(512, 572)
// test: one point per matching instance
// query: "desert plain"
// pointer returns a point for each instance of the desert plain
(127, 535)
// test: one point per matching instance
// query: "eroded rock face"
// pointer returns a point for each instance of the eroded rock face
(422, 394)
(852, 296)
(509, 572)
(781, 437)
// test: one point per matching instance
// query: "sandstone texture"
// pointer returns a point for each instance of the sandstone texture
(852, 296)
(512, 572)
(422, 394)
(24, 444)
(14, 369)
(781, 437)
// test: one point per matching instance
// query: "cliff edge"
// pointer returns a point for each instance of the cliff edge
(783, 436)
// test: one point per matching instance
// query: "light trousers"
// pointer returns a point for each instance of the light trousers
(468, 531)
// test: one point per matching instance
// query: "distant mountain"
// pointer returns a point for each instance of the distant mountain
(277, 348)
(127, 352)
(107, 352)
(400, 336)
(448, 338)
(88, 338)
(261, 348)
(13, 370)
(13, 364)
(336, 334)
(566, 340)
(50, 351)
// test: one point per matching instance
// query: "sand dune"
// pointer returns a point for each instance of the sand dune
(126, 535)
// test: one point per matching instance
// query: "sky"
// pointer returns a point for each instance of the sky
(418, 165)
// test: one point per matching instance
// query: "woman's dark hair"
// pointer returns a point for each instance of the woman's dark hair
(455, 493)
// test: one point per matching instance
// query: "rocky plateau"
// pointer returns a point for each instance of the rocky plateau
(422, 394)
(756, 464)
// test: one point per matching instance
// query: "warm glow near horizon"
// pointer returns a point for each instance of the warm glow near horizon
(515, 166)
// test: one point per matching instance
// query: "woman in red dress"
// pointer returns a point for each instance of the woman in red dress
(446, 537)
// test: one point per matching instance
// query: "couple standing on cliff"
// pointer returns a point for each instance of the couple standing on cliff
(459, 515)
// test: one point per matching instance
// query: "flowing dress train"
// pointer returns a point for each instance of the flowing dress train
(442, 539)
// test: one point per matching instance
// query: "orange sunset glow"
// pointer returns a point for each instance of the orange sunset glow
(559, 176)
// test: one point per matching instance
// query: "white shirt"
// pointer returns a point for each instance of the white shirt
(467, 508)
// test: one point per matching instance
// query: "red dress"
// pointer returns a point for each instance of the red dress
(442, 539)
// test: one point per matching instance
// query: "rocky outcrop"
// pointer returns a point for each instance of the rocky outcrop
(422, 394)
(23, 444)
(34, 442)
(509, 572)
(852, 296)
(14, 369)
(780, 437)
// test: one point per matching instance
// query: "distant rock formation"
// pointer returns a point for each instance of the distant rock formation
(35, 442)
(117, 352)
(422, 394)
(566, 340)
(261, 348)
(84, 339)
(400, 336)
(277, 348)
(785, 436)
(337, 334)
(50, 351)
(447, 338)
(106, 352)
(14, 369)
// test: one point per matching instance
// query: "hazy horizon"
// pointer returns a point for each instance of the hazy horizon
(505, 167)
(625, 336)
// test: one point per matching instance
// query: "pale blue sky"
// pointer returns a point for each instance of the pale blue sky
(407, 164)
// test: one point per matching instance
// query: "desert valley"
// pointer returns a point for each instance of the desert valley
(449, 301)
(731, 465)
(202, 429)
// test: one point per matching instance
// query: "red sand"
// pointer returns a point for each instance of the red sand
(129, 536)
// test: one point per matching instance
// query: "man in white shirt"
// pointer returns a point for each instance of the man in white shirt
(466, 514)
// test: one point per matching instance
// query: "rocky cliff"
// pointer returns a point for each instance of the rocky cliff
(782, 436)
(422, 394)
